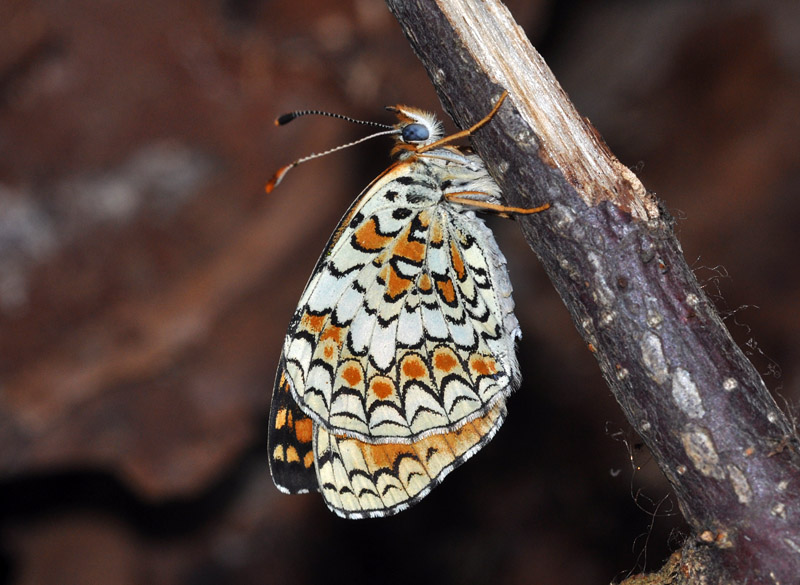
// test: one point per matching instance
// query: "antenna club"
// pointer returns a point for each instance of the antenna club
(285, 118)
(278, 177)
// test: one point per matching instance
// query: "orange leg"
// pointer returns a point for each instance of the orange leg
(468, 131)
(500, 209)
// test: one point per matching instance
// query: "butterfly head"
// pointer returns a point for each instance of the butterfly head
(415, 129)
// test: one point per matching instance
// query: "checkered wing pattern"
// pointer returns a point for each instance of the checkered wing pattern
(406, 327)
(359, 479)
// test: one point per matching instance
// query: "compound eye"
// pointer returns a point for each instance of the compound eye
(415, 133)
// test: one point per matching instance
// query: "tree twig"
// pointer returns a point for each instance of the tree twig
(608, 246)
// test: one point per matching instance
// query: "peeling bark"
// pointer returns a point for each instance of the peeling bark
(609, 248)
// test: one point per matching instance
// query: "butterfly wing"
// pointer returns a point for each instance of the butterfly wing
(290, 440)
(360, 480)
(406, 327)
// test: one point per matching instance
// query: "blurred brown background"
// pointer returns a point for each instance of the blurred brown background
(146, 282)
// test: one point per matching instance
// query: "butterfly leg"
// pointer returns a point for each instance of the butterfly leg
(469, 131)
(505, 210)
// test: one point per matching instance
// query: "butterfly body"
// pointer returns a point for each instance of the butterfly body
(400, 356)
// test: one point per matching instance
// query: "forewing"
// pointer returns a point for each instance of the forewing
(290, 441)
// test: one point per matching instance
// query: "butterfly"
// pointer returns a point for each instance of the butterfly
(401, 354)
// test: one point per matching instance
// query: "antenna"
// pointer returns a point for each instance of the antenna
(288, 117)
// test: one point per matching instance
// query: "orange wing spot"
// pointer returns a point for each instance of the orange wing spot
(396, 285)
(277, 453)
(467, 434)
(303, 430)
(368, 238)
(444, 361)
(291, 455)
(458, 261)
(308, 460)
(328, 351)
(280, 418)
(313, 323)
(446, 290)
(424, 283)
(382, 389)
(332, 332)
(352, 375)
(483, 366)
(414, 251)
(414, 368)
(384, 455)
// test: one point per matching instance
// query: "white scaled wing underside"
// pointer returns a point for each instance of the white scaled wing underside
(406, 328)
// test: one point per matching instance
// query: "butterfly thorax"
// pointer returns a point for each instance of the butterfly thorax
(454, 170)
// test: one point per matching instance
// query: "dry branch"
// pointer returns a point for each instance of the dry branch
(608, 246)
